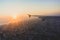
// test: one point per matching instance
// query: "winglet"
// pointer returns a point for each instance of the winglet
(29, 15)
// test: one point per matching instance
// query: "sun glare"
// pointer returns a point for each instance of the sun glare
(14, 17)
(17, 18)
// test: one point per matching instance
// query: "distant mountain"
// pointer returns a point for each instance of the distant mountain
(54, 14)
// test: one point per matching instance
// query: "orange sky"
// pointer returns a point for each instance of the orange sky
(34, 7)
(13, 7)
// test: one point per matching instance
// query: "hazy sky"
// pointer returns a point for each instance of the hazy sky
(13, 7)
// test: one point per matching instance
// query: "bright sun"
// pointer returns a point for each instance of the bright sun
(14, 17)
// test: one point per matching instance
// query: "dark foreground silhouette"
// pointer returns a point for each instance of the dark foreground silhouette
(36, 28)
